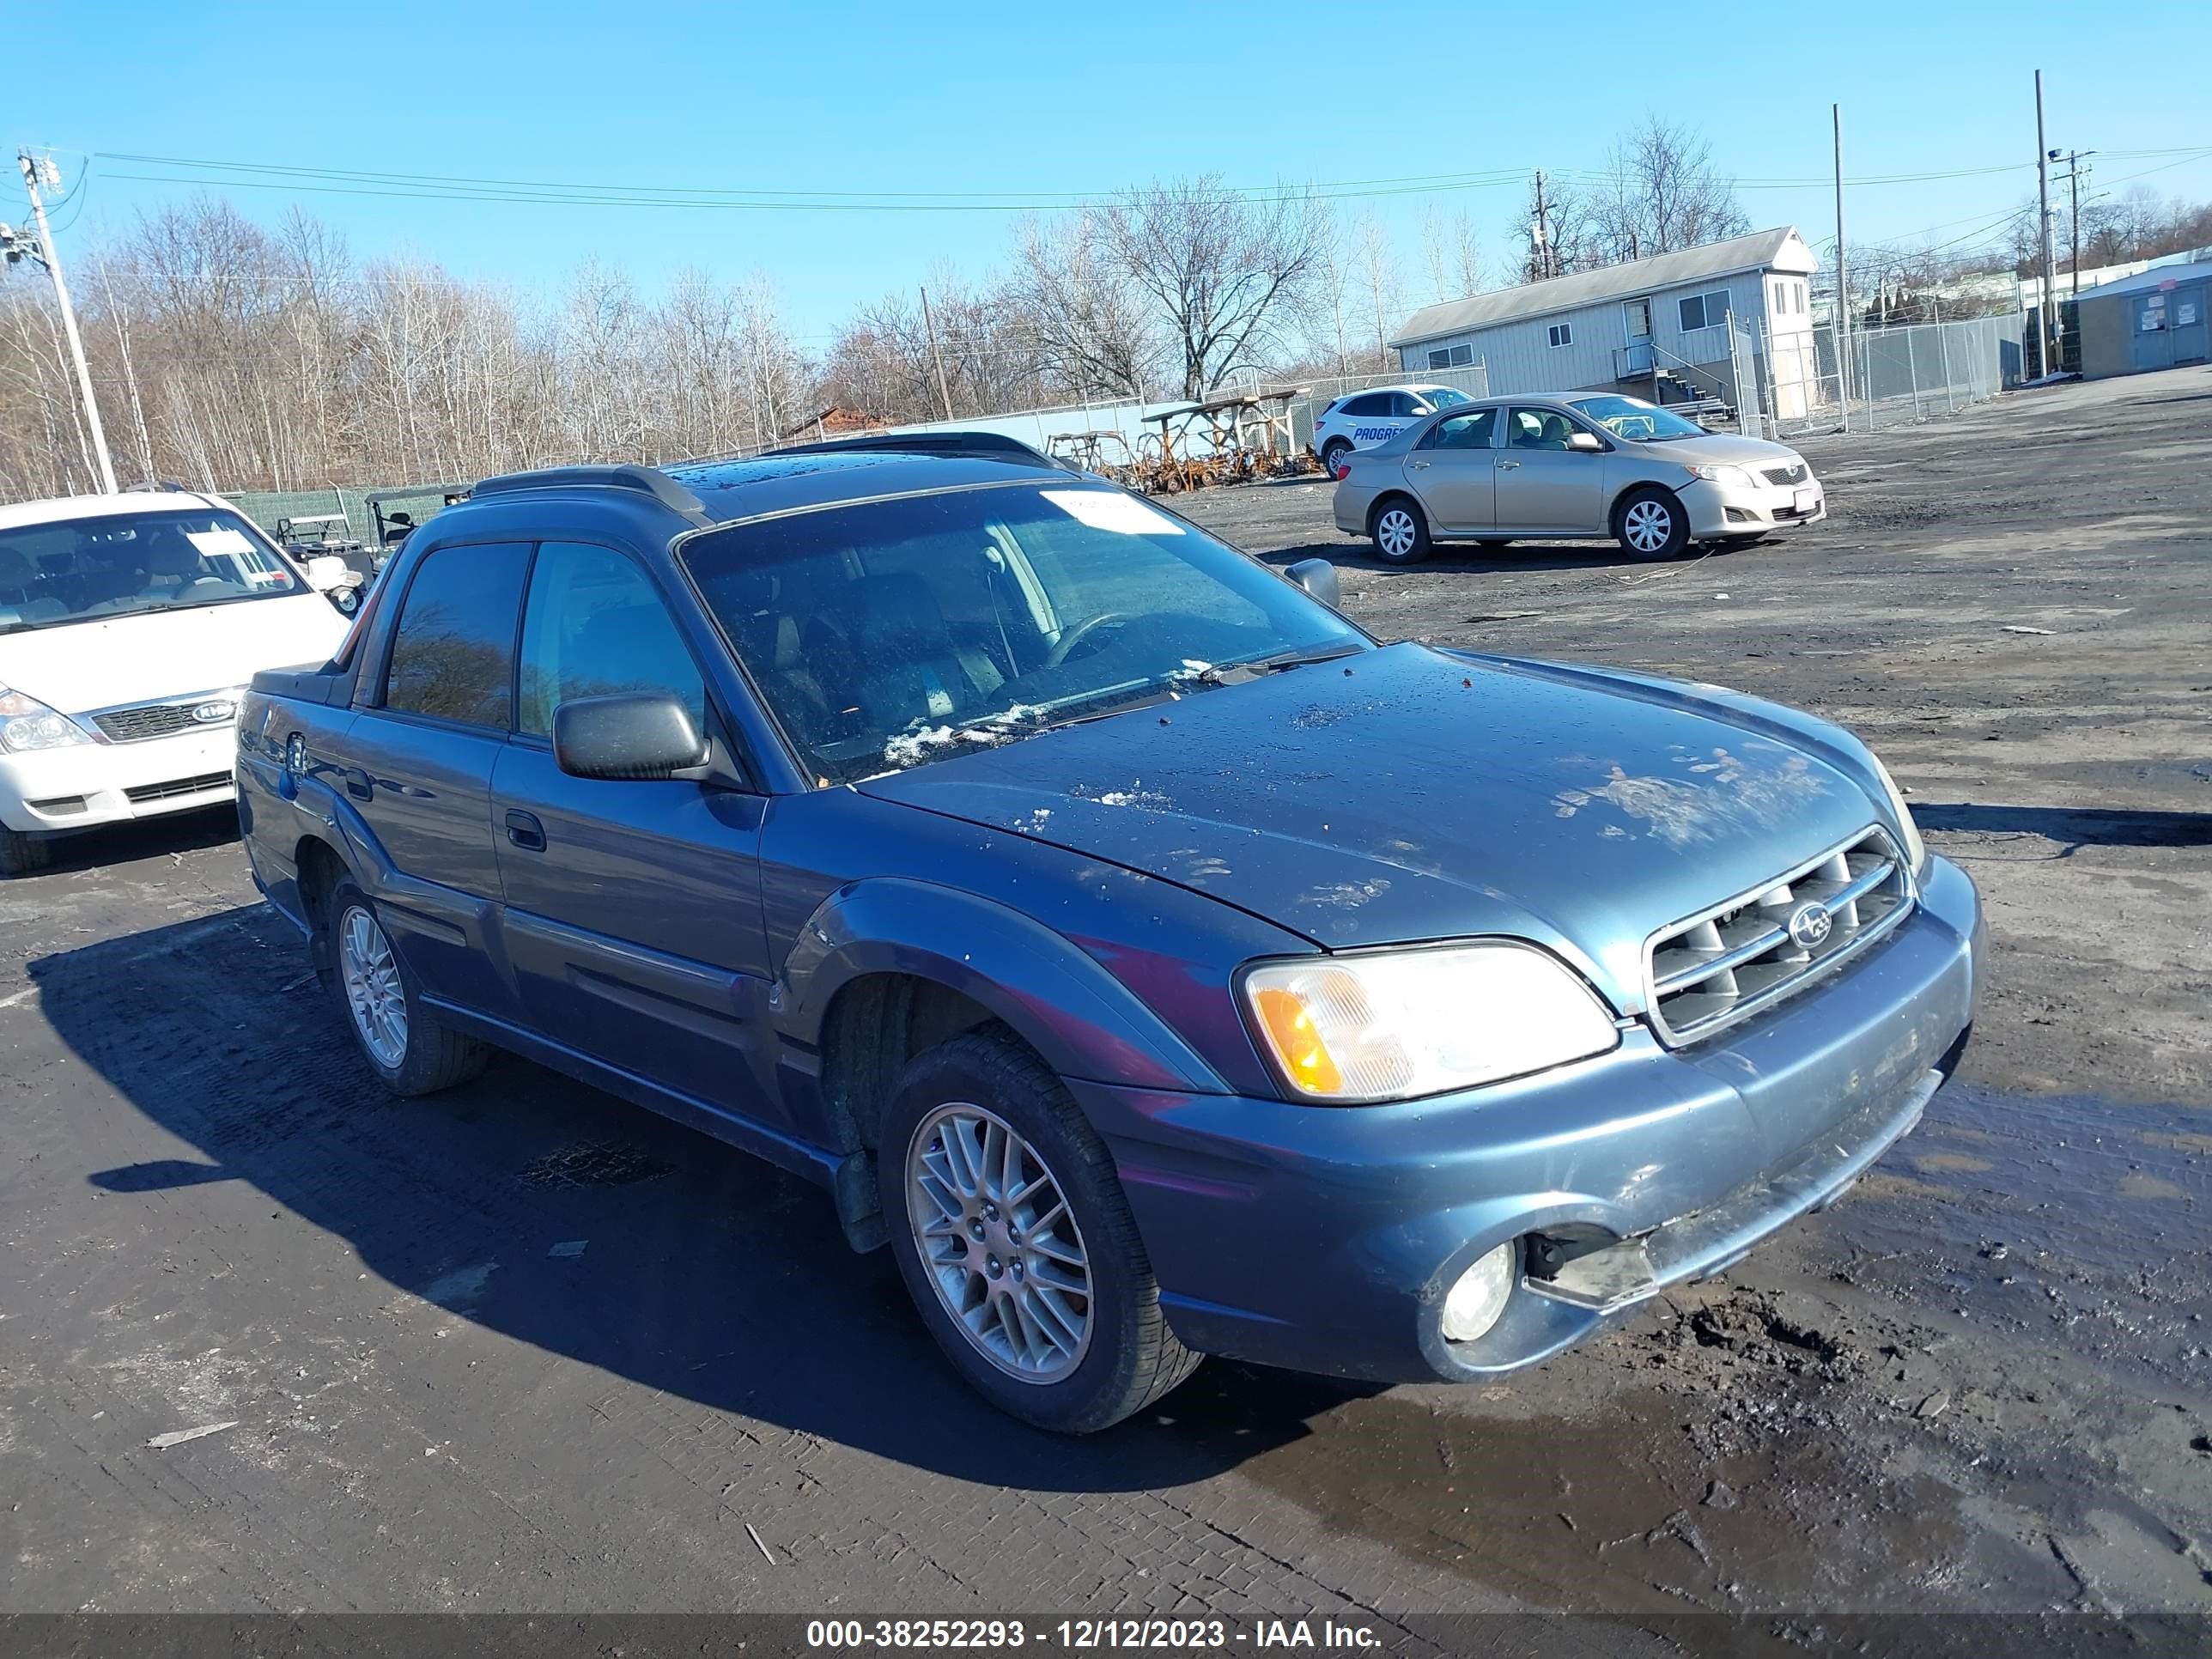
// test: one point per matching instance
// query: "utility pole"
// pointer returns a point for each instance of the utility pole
(1843, 331)
(47, 255)
(2074, 172)
(929, 327)
(2047, 328)
(1540, 241)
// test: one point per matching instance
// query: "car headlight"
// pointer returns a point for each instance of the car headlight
(1916, 850)
(1391, 1025)
(1734, 477)
(26, 724)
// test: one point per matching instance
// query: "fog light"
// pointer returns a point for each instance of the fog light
(1477, 1296)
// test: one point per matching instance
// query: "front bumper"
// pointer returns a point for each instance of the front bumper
(1324, 1238)
(58, 791)
(1722, 510)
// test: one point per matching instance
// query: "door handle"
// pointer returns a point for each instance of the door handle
(358, 783)
(1417, 465)
(526, 832)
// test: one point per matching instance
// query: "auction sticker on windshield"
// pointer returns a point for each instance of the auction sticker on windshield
(1102, 509)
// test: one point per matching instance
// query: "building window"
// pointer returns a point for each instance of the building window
(1458, 356)
(1440, 360)
(1562, 334)
(1704, 310)
(1801, 299)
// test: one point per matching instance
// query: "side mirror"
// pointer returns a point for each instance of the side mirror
(1318, 578)
(1585, 443)
(636, 737)
(326, 571)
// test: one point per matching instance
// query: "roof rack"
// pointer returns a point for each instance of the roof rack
(646, 480)
(984, 446)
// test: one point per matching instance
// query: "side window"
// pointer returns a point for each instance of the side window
(1441, 359)
(1561, 334)
(1537, 428)
(453, 651)
(596, 626)
(1360, 408)
(1469, 431)
(1405, 405)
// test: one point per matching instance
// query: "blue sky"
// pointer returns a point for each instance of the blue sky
(1034, 103)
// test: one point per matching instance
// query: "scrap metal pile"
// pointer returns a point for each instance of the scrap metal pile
(1236, 437)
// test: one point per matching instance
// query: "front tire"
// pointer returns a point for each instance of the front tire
(411, 1052)
(22, 855)
(1649, 524)
(1016, 1241)
(1401, 531)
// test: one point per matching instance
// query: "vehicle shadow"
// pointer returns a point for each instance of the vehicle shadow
(704, 1274)
(1466, 559)
(141, 838)
(2073, 826)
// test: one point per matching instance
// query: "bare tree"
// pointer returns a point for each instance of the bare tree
(1450, 254)
(1078, 310)
(1664, 194)
(1558, 228)
(1223, 273)
(1380, 289)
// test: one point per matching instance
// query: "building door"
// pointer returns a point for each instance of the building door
(2190, 331)
(1636, 322)
(2153, 336)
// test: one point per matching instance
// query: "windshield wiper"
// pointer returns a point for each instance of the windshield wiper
(1229, 673)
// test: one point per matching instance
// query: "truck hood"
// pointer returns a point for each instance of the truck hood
(1410, 794)
(150, 654)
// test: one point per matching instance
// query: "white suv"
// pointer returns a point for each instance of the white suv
(1358, 419)
(129, 626)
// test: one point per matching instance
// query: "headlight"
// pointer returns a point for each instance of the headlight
(1394, 1024)
(26, 724)
(1734, 477)
(1916, 850)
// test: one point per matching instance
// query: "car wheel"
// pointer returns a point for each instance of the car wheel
(1400, 532)
(22, 855)
(1332, 455)
(1650, 524)
(1016, 1242)
(413, 1052)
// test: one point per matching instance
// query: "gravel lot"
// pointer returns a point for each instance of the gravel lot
(521, 1347)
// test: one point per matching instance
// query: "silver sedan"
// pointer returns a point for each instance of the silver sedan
(1546, 469)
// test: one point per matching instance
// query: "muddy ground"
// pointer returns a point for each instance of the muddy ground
(521, 1347)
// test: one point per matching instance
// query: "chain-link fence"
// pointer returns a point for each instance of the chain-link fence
(1887, 377)
(273, 509)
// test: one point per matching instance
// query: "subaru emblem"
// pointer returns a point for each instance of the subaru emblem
(1810, 926)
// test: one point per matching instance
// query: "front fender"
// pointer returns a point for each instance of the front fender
(1085, 1023)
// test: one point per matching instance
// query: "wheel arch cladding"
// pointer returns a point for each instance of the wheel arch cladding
(1077, 1018)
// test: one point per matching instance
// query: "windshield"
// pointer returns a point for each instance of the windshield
(889, 634)
(117, 564)
(1631, 418)
(1443, 396)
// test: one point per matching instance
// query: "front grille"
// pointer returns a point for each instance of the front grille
(1716, 968)
(1786, 475)
(174, 787)
(152, 719)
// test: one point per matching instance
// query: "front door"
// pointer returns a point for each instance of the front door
(2192, 332)
(1454, 473)
(1636, 323)
(2154, 337)
(633, 914)
(1542, 484)
(418, 769)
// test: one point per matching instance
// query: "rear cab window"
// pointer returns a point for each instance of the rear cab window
(453, 644)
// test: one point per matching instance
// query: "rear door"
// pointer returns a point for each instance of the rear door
(633, 909)
(1542, 484)
(1454, 472)
(416, 765)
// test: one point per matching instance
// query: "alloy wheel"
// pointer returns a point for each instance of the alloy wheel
(374, 994)
(1394, 532)
(999, 1243)
(1648, 524)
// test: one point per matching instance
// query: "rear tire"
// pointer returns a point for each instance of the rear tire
(1332, 455)
(408, 1049)
(22, 855)
(1649, 524)
(1399, 531)
(1072, 1361)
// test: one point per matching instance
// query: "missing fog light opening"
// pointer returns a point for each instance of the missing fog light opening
(1477, 1296)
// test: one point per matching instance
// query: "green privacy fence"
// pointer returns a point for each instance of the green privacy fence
(269, 507)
